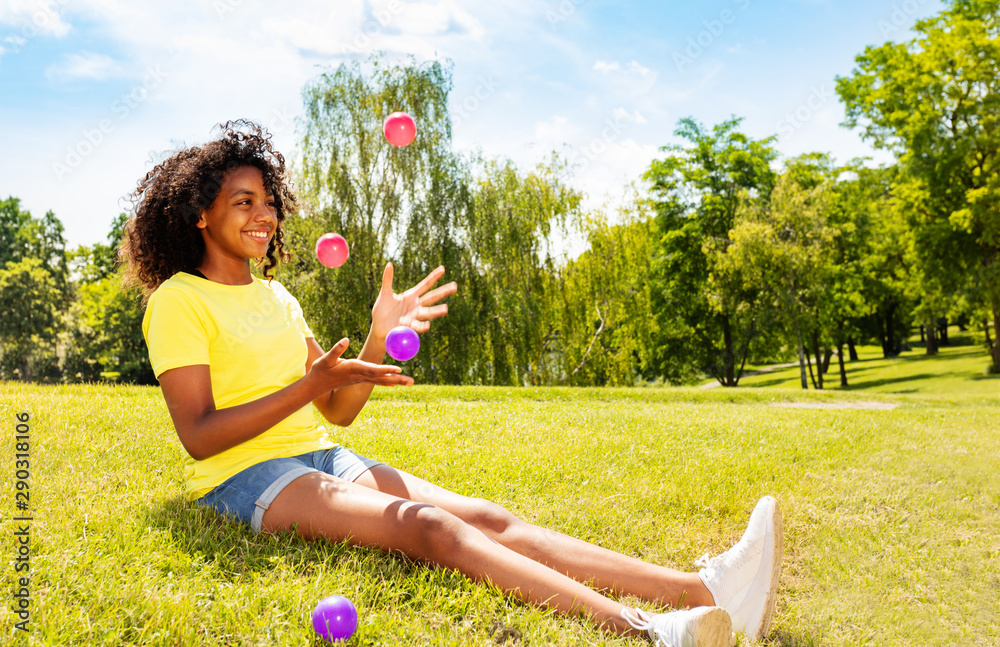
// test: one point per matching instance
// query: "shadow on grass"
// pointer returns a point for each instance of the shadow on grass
(233, 551)
(861, 385)
(772, 382)
(236, 550)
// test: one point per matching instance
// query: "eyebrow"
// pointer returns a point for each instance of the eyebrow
(248, 192)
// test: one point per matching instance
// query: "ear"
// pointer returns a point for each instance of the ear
(202, 223)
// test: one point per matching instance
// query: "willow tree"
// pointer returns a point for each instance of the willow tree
(512, 236)
(608, 323)
(401, 205)
(491, 225)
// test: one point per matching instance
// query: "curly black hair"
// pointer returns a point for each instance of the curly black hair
(162, 238)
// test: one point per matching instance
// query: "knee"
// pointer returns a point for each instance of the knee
(494, 520)
(439, 535)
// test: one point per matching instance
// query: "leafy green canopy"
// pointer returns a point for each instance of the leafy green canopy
(704, 323)
(935, 102)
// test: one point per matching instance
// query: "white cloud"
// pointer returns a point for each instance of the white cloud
(635, 68)
(623, 115)
(630, 79)
(33, 17)
(555, 131)
(86, 65)
(390, 26)
(604, 168)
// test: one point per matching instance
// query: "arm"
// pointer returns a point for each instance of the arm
(206, 431)
(412, 308)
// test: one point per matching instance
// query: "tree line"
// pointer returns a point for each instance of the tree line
(726, 256)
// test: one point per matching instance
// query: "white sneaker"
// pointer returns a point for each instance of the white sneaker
(698, 627)
(744, 579)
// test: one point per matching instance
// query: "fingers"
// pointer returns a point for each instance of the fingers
(393, 380)
(381, 374)
(429, 280)
(437, 294)
(387, 279)
(338, 349)
(434, 312)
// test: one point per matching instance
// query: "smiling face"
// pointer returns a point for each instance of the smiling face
(241, 221)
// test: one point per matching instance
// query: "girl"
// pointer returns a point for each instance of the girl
(238, 366)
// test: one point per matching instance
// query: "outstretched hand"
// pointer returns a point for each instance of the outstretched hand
(414, 308)
(334, 372)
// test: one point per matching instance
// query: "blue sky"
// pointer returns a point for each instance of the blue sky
(91, 91)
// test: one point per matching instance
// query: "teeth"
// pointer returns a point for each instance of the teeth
(257, 234)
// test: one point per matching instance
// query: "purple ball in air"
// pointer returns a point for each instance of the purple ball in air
(335, 618)
(402, 343)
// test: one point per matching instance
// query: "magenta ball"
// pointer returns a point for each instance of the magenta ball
(402, 343)
(399, 128)
(335, 618)
(331, 250)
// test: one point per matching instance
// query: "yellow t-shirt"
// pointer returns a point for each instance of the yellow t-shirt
(253, 338)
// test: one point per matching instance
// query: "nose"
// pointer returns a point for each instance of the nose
(264, 213)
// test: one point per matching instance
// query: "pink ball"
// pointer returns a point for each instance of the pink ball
(399, 128)
(331, 250)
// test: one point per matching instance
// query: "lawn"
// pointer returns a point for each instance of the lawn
(958, 369)
(891, 507)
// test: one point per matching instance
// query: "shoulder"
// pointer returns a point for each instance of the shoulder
(175, 301)
(179, 288)
(278, 290)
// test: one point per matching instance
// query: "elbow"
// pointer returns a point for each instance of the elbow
(336, 416)
(196, 453)
(193, 448)
(340, 421)
(333, 414)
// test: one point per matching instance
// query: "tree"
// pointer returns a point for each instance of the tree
(514, 277)
(108, 338)
(878, 243)
(607, 323)
(23, 236)
(696, 191)
(354, 183)
(35, 289)
(102, 338)
(934, 101)
(421, 206)
(30, 301)
(783, 249)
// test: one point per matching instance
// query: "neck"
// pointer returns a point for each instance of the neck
(231, 273)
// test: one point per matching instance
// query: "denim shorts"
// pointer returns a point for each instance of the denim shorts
(247, 495)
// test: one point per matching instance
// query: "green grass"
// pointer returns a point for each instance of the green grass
(891, 516)
(958, 369)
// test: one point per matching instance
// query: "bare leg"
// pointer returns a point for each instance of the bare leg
(323, 506)
(573, 557)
